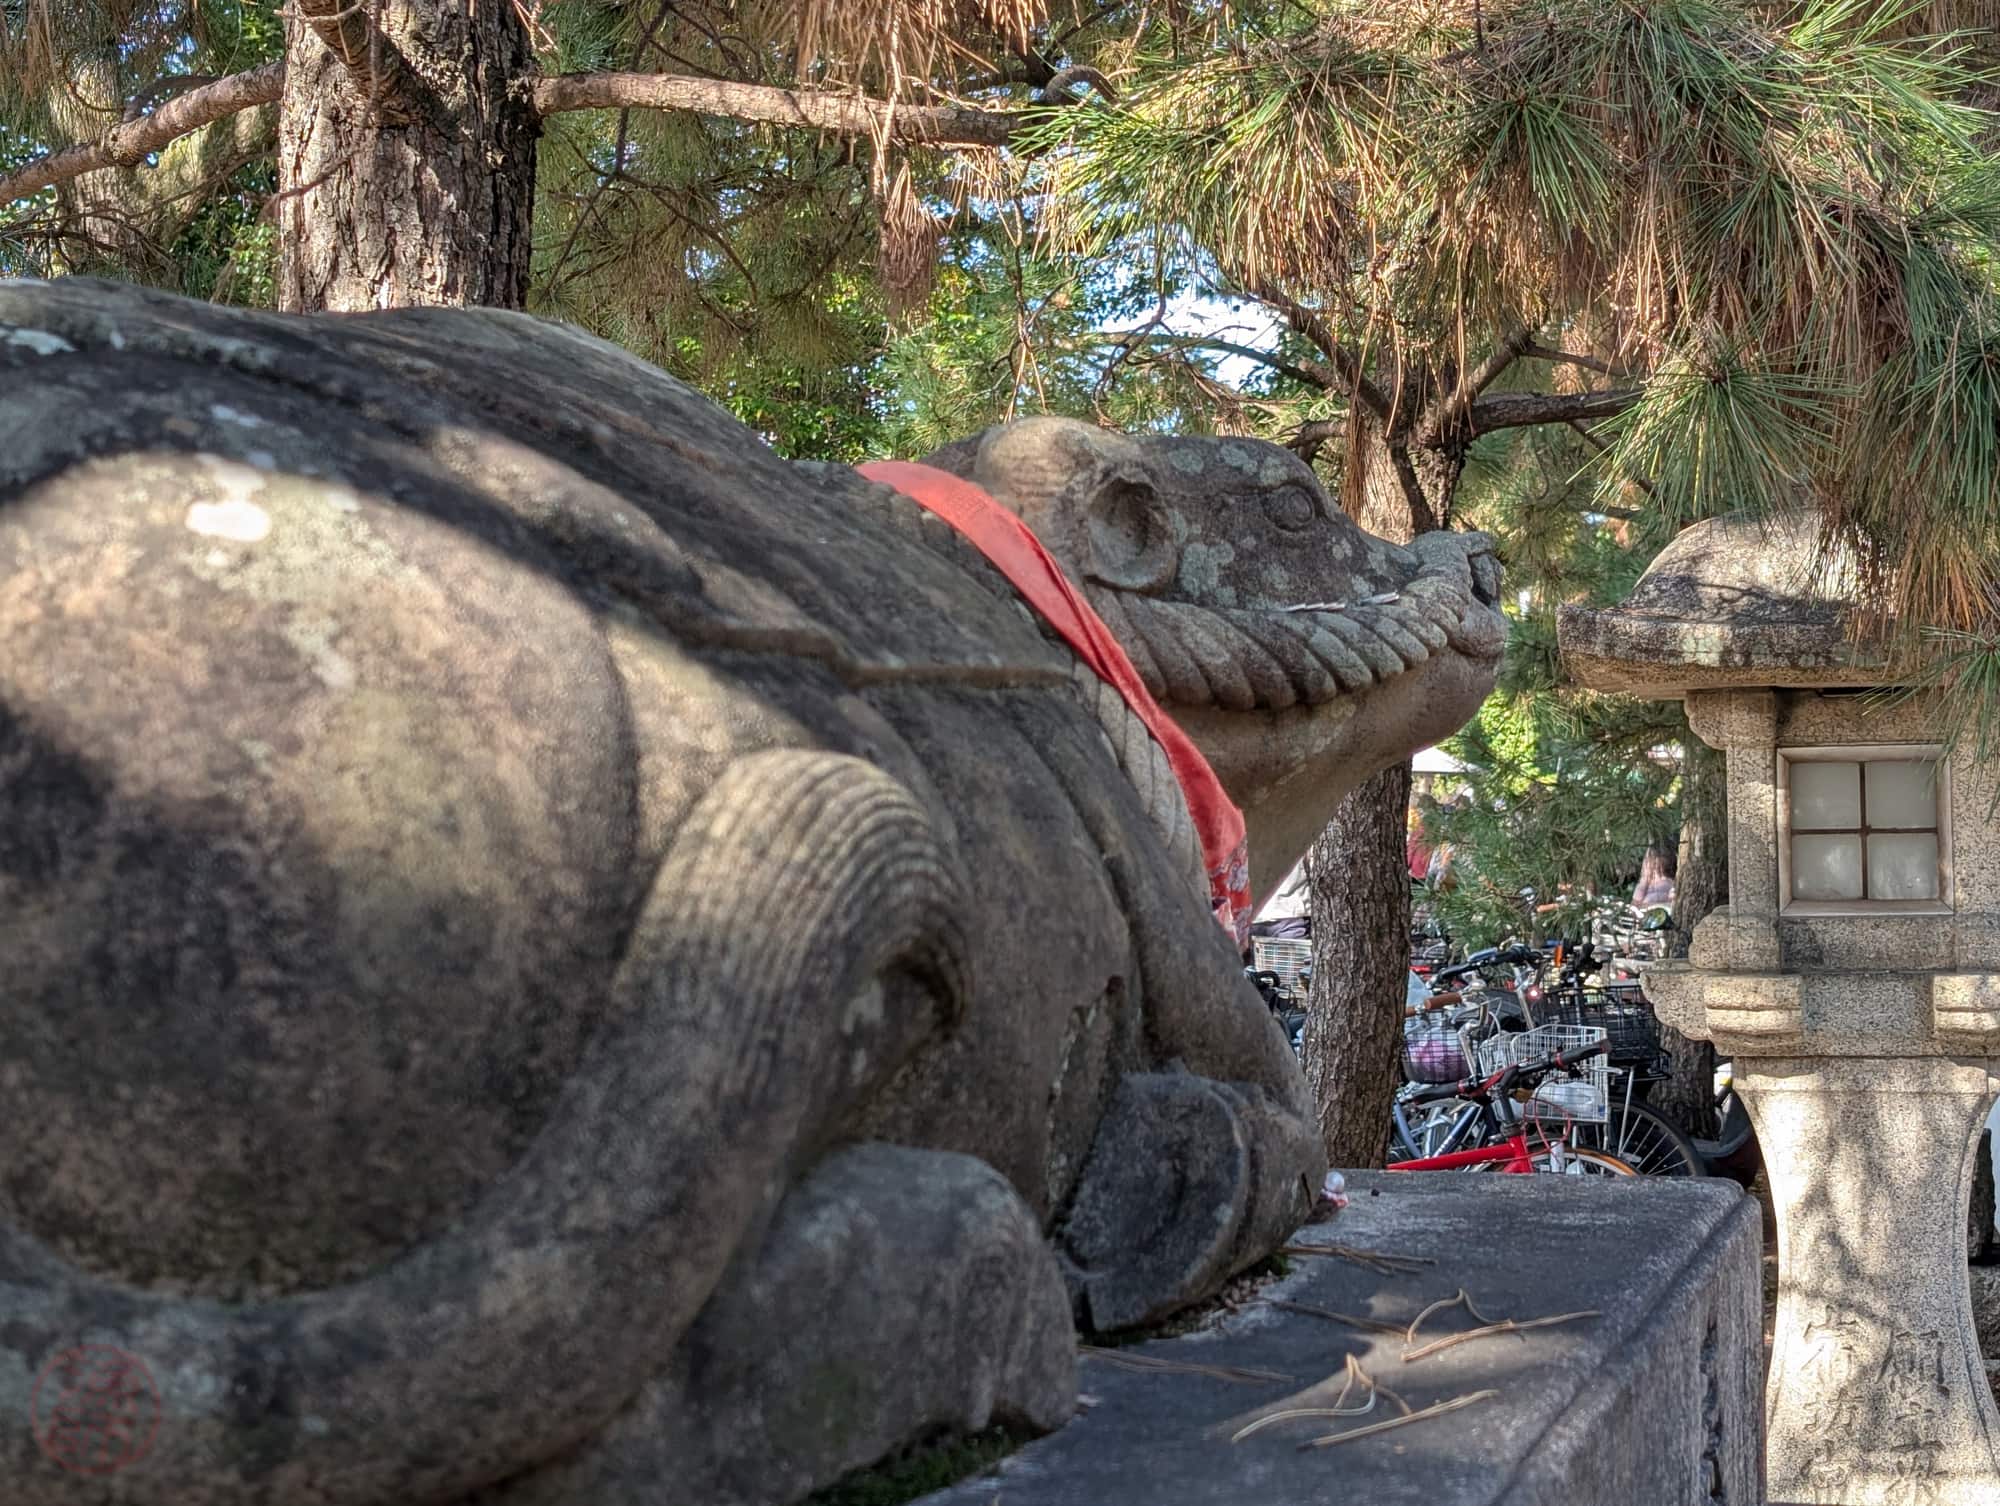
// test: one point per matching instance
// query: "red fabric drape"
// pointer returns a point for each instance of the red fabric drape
(1014, 550)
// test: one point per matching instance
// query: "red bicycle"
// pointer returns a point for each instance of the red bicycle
(1495, 1136)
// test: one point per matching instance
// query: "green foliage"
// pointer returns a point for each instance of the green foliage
(1007, 332)
(1567, 789)
(1780, 220)
(1562, 806)
(21, 251)
(227, 253)
(1717, 431)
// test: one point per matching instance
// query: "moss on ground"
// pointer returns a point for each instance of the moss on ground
(918, 1471)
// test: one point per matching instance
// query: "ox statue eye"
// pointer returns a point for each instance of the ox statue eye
(1290, 508)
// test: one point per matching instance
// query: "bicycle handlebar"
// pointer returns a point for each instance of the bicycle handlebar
(1467, 1088)
(1492, 957)
(1432, 1004)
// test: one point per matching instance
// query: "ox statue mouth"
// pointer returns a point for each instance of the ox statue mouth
(1300, 653)
(1306, 654)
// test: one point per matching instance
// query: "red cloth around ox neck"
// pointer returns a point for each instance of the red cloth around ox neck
(1013, 549)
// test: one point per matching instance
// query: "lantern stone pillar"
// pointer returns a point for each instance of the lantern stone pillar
(1854, 983)
(1742, 725)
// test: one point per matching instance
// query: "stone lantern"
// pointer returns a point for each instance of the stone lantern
(1854, 980)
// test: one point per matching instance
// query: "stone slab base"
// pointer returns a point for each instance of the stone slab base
(1658, 1402)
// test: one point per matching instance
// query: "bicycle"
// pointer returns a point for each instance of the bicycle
(1634, 1131)
(1506, 1145)
(1285, 1005)
(1468, 1046)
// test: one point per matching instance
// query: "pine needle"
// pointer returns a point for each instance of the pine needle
(1463, 1299)
(1354, 1375)
(1367, 1325)
(1505, 1325)
(1388, 1265)
(1180, 1367)
(1424, 1415)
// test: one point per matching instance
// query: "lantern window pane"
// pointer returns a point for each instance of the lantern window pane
(1903, 865)
(1826, 867)
(1826, 796)
(1903, 794)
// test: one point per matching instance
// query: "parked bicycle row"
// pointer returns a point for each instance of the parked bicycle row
(1531, 1058)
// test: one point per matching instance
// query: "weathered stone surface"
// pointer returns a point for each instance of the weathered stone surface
(1185, 552)
(898, 1291)
(478, 830)
(1655, 1403)
(1878, 1386)
(1738, 601)
(1162, 1213)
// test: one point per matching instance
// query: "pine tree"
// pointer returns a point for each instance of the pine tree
(1747, 249)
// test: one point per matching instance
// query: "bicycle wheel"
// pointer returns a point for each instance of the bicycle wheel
(1650, 1144)
(1436, 1128)
(1578, 1162)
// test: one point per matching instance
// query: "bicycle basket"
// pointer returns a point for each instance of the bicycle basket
(1585, 1097)
(1286, 956)
(1622, 1013)
(1432, 1051)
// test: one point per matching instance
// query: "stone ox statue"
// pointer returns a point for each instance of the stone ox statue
(552, 956)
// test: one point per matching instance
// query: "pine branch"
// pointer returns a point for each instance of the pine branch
(928, 125)
(1346, 374)
(129, 143)
(1130, 339)
(1057, 90)
(1514, 410)
(1455, 407)
(1616, 369)
(161, 90)
(1314, 436)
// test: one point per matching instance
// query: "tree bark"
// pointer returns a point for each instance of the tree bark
(930, 125)
(81, 106)
(1701, 882)
(1701, 877)
(406, 156)
(1361, 956)
(1361, 893)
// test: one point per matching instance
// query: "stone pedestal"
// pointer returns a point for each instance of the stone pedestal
(1654, 1402)
(1877, 1393)
(1852, 982)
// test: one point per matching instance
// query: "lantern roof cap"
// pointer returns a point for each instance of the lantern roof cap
(1735, 602)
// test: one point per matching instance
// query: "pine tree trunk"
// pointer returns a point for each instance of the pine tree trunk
(1361, 952)
(1701, 882)
(1359, 870)
(85, 102)
(406, 162)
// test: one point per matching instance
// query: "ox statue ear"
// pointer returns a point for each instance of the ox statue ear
(1130, 533)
